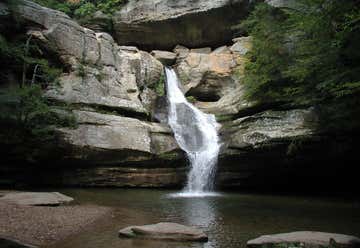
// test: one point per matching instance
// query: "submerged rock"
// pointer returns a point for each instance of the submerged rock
(164, 231)
(37, 198)
(307, 239)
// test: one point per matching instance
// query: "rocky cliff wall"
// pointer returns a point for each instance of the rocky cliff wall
(122, 138)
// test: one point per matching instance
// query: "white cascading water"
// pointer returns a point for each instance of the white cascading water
(196, 134)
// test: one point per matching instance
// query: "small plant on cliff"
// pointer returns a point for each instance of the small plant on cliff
(28, 111)
(22, 56)
(25, 73)
(191, 99)
(160, 86)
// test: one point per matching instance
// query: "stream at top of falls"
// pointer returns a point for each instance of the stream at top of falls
(196, 134)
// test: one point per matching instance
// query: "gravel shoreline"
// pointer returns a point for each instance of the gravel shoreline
(47, 225)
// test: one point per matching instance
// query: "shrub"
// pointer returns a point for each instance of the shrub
(305, 55)
(26, 109)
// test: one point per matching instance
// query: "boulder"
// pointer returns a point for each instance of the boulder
(214, 79)
(37, 198)
(307, 238)
(207, 77)
(164, 231)
(162, 24)
(167, 58)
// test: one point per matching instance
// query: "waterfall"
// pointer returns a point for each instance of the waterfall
(196, 134)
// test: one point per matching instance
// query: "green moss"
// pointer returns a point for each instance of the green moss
(81, 70)
(169, 156)
(191, 99)
(222, 118)
(160, 86)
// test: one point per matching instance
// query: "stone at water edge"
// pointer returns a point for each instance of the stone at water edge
(164, 231)
(37, 198)
(309, 238)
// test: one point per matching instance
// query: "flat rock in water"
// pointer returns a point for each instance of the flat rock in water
(307, 238)
(37, 198)
(164, 231)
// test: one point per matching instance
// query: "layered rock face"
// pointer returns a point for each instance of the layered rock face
(110, 89)
(214, 78)
(163, 24)
(113, 92)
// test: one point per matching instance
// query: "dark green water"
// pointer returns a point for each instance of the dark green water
(229, 220)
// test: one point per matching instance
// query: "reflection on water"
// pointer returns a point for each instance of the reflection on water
(200, 212)
(229, 219)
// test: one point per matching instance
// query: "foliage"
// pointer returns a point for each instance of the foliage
(17, 59)
(28, 111)
(305, 55)
(191, 99)
(25, 71)
(83, 8)
(168, 156)
(63, 6)
(81, 70)
(160, 86)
